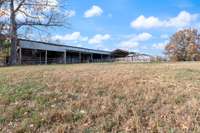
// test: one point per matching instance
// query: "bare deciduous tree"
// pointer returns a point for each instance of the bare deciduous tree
(29, 14)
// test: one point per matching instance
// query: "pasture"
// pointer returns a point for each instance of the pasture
(101, 98)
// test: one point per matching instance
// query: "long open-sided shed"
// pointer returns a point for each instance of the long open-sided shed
(35, 52)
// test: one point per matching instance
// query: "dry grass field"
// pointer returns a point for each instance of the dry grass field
(100, 98)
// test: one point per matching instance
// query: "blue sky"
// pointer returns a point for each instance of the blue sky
(135, 25)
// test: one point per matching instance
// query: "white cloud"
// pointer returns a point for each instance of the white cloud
(70, 13)
(101, 47)
(68, 37)
(93, 11)
(132, 41)
(127, 45)
(99, 38)
(53, 2)
(143, 22)
(160, 46)
(75, 36)
(50, 5)
(181, 20)
(84, 39)
(141, 37)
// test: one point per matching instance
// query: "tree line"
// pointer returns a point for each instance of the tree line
(184, 45)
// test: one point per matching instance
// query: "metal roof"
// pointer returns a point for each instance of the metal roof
(30, 44)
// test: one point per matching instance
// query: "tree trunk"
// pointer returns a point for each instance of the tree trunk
(13, 56)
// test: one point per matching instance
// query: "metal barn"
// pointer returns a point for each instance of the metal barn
(35, 52)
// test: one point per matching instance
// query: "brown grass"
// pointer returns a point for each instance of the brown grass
(101, 98)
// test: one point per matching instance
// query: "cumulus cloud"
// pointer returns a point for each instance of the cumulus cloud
(133, 41)
(70, 13)
(127, 45)
(181, 20)
(141, 37)
(143, 22)
(99, 38)
(93, 11)
(75, 36)
(160, 46)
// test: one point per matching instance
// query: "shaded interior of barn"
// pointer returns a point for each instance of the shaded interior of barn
(32, 56)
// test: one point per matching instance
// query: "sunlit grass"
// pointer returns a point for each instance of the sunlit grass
(101, 98)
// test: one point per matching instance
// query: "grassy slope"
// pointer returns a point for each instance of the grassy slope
(101, 97)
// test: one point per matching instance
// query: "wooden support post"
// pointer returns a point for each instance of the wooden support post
(65, 55)
(109, 58)
(80, 57)
(91, 57)
(40, 58)
(46, 58)
(101, 58)
(71, 59)
(20, 56)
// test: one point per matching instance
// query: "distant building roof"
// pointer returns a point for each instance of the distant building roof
(119, 53)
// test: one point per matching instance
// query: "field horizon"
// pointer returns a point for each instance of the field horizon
(104, 97)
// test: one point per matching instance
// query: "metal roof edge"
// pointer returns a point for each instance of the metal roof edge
(63, 45)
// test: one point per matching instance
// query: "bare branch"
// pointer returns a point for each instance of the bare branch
(27, 15)
(20, 5)
(31, 23)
